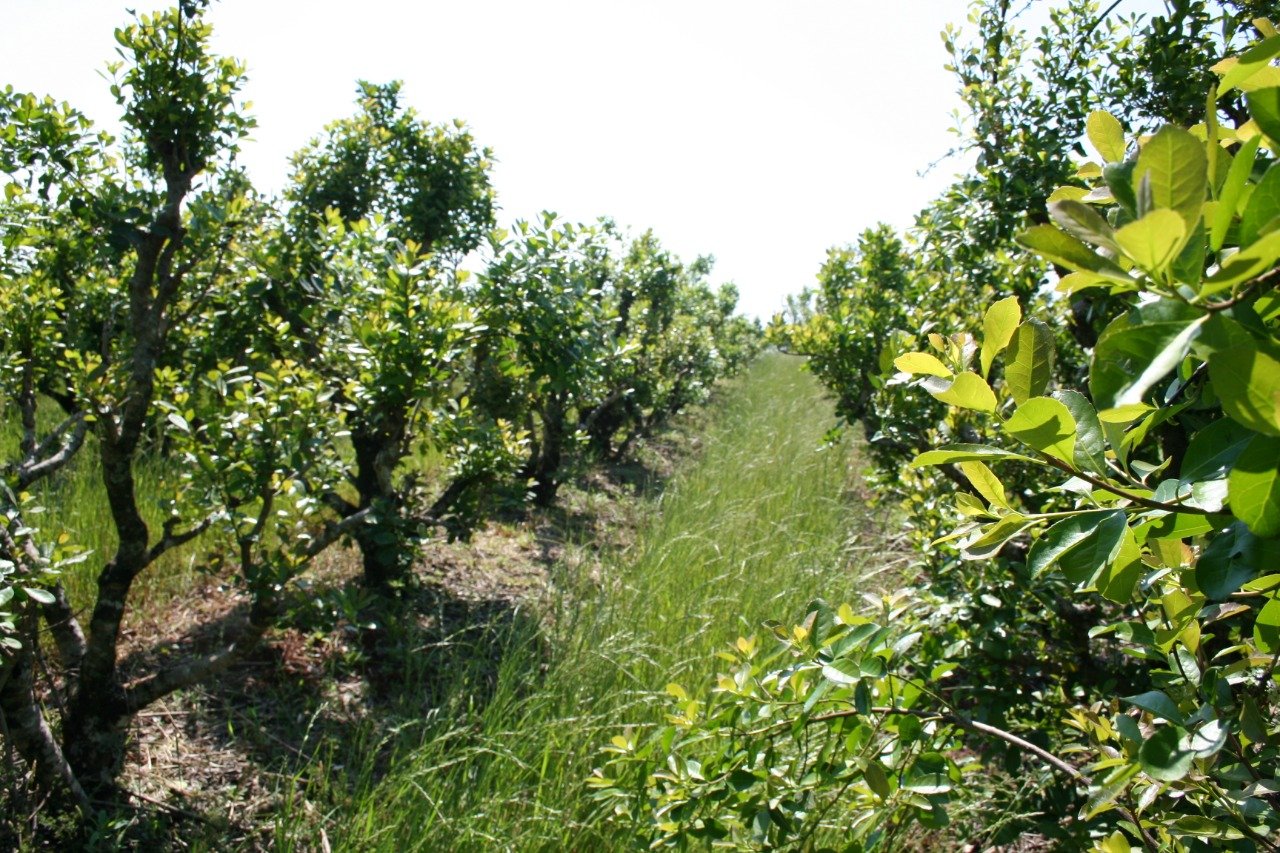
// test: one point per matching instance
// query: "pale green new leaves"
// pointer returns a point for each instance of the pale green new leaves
(998, 326)
(968, 391)
(1153, 242)
(1106, 135)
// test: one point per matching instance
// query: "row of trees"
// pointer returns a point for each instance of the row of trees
(1068, 373)
(284, 358)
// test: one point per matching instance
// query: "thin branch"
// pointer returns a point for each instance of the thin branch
(170, 539)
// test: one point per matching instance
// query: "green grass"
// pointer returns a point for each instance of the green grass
(753, 529)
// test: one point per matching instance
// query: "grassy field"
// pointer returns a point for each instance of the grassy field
(758, 524)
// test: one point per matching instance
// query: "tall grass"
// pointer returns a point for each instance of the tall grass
(753, 530)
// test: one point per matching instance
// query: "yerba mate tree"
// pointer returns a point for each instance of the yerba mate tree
(1157, 516)
(112, 255)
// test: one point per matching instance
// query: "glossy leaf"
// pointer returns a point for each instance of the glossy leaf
(1065, 250)
(1163, 757)
(1029, 361)
(1100, 530)
(1084, 223)
(1045, 424)
(922, 363)
(968, 390)
(1174, 164)
(1232, 190)
(1254, 486)
(998, 326)
(1153, 242)
(1090, 449)
(1106, 135)
(1264, 107)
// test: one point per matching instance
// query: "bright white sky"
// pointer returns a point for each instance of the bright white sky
(759, 132)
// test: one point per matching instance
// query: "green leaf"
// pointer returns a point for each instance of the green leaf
(1245, 372)
(1121, 576)
(1248, 263)
(1174, 163)
(968, 391)
(1249, 63)
(986, 483)
(1101, 530)
(42, 596)
(1106, 134)
(922, 362)
(1138, 349)
(1084, 563)
(1065, 250)
(1264, 106)
(994, 536)
(1119, 179)
(1158, 703)
(1213, 450)
(998, 326)
(1046, 425)
(844, 671)
(877, 781)
(1029, 362)
(951, 453)
(1084, 223)
(1263, 206)
(1153, 242)
(1163, 757)
(1266, 628)
(1232, 559)
(1254, 486)
(1091, 449)
(1229, 198)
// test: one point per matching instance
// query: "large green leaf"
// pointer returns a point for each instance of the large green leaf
(968, 390)
(922, 363)
(1130, 357)
(1249, 63)
(1245, 372)
(1264, 106)
(1232, 189)
(1174, 163)
(1254, 486)
(1091, 449)
(1263, 206)
(994, 536)
(1248, 263)
(1084, 223)
(1065, 250)
(1100, 532)
(998, 326)
(1106, 134)
(1232, 559)
(1029, 361)
(1153, 242)
(1213, 450)
(1266, 629)
(1163, 757)
(1120, 577)
(1157, 702)
(985, 482)
(1046, 425)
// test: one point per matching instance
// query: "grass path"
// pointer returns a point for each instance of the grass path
(752, 529)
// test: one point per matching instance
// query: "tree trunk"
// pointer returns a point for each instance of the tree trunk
(24, 724)
(547, 465)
